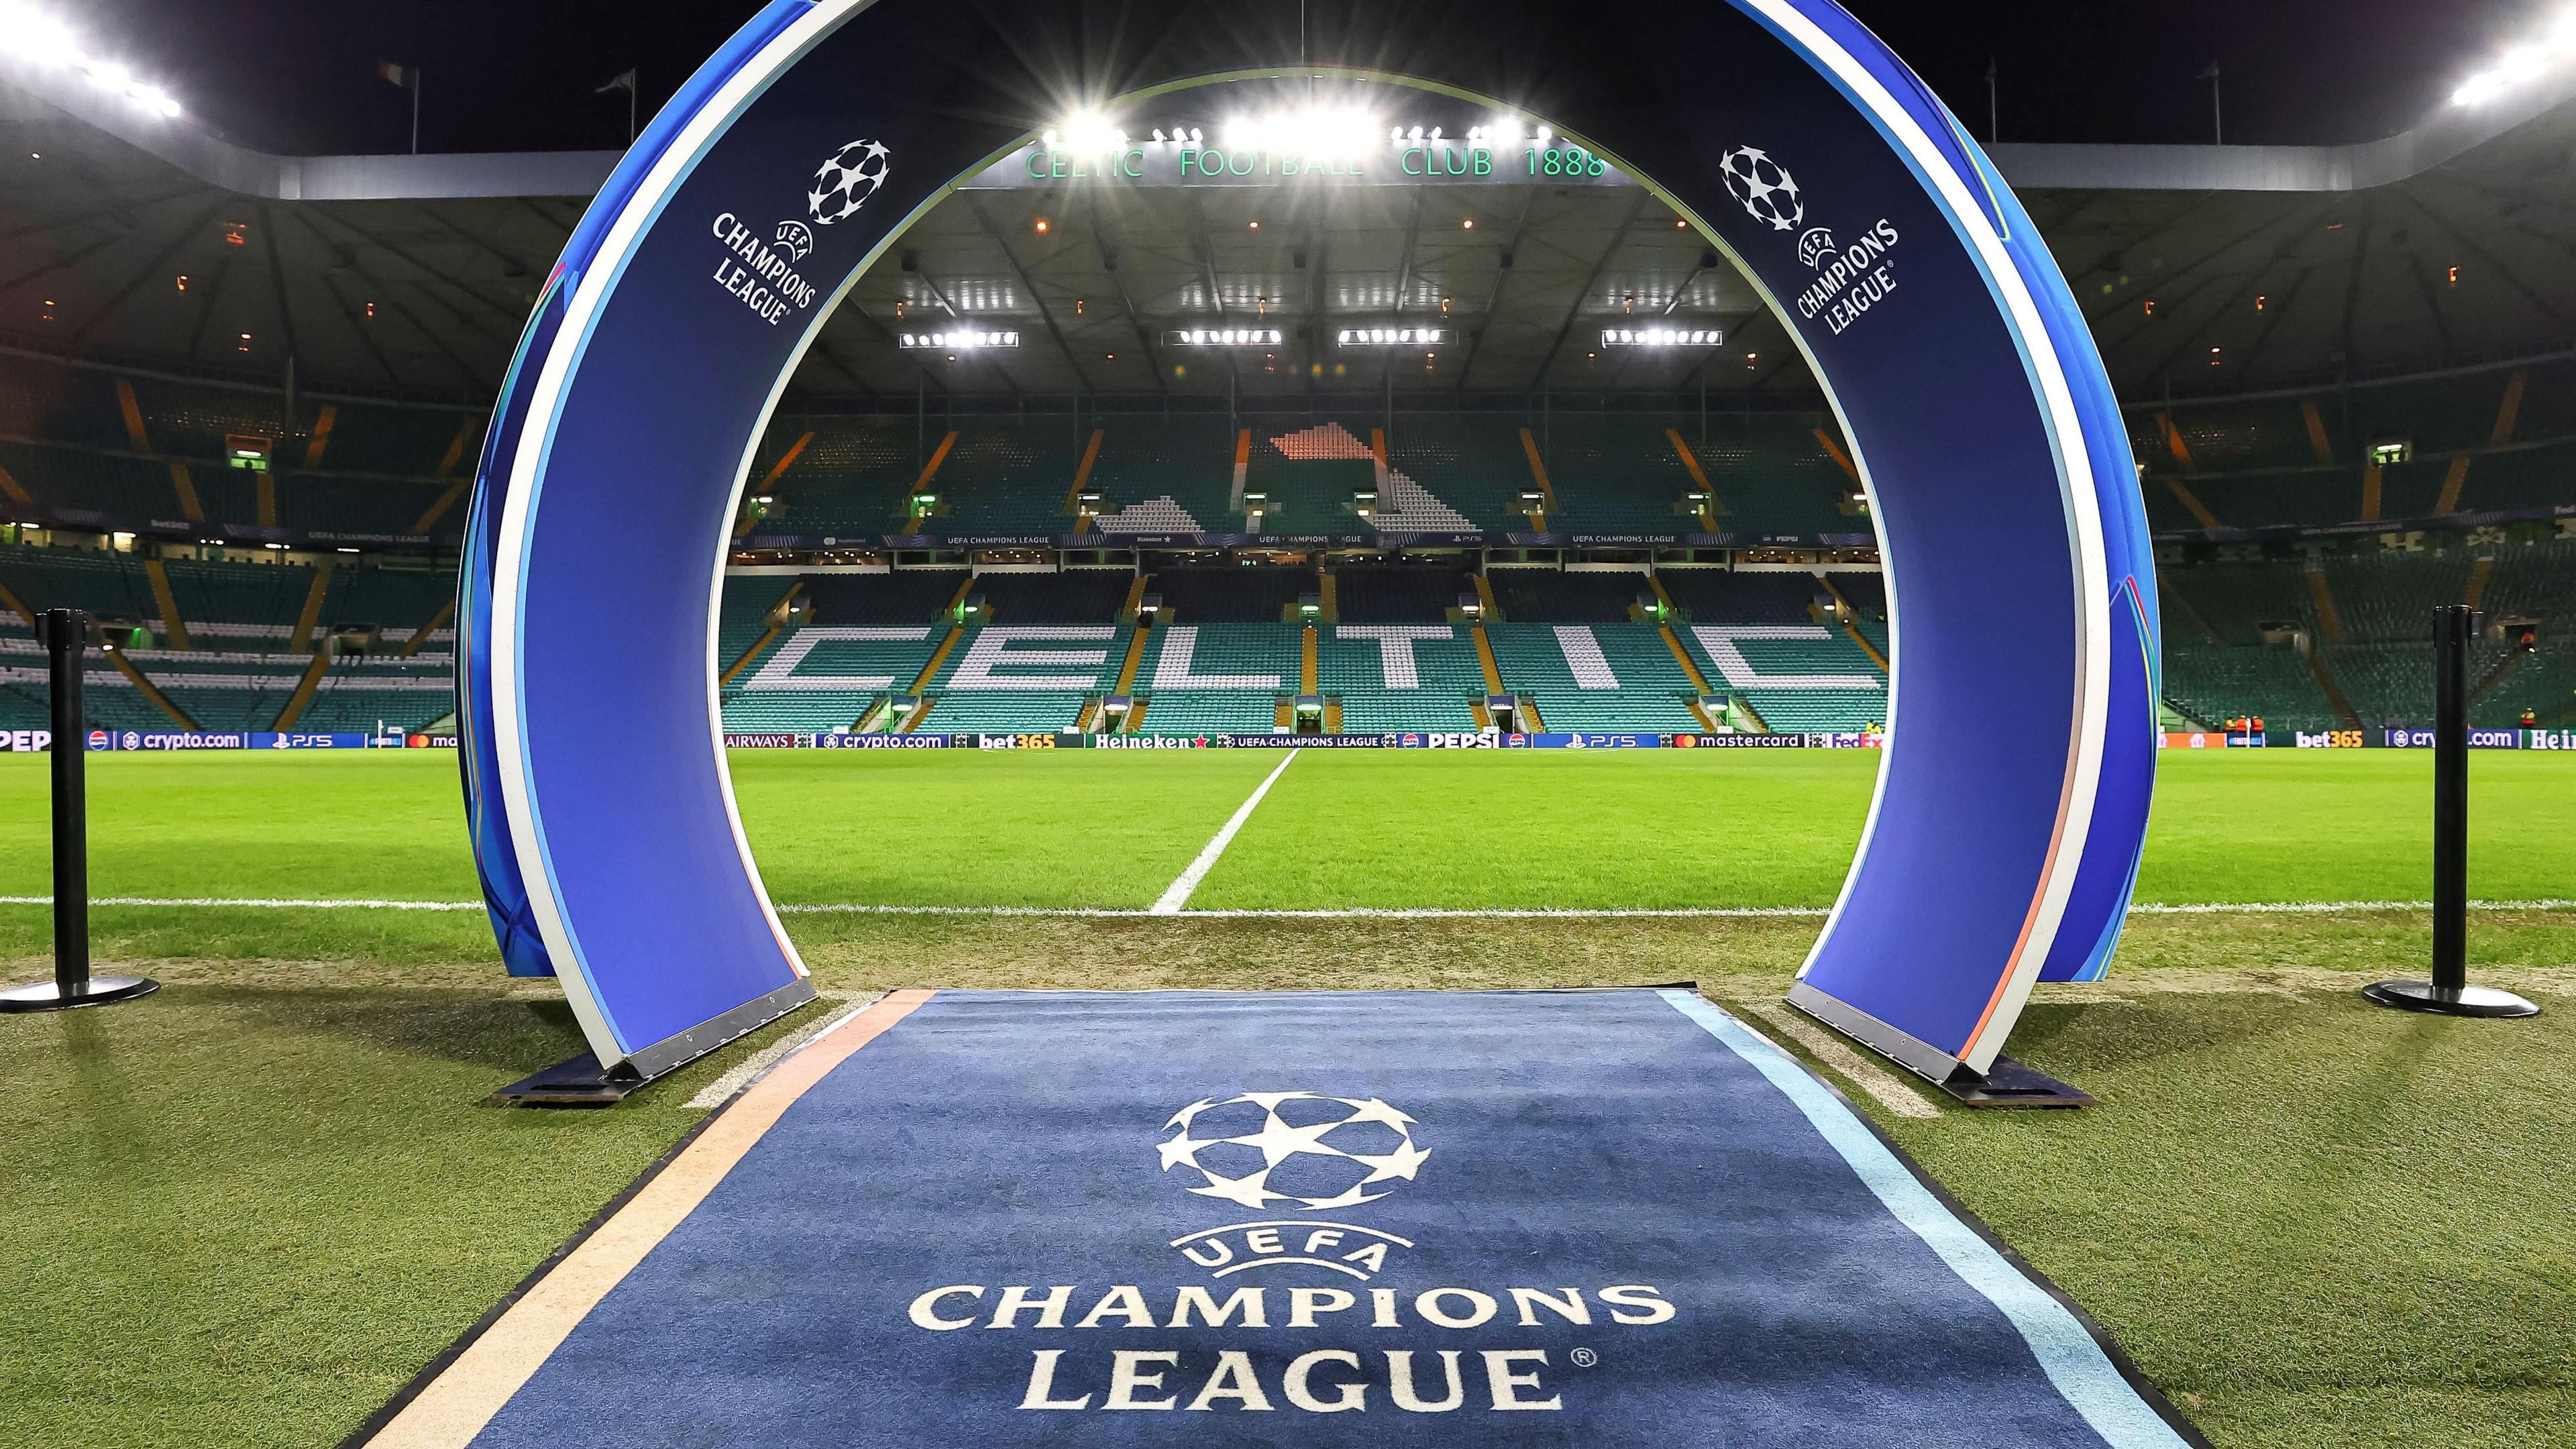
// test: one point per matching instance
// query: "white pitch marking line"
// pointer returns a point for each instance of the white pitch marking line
(2327, 908)
(1884, 1087)
(1394, 913)
(1178, 894)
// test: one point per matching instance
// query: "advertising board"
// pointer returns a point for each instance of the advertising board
(881, 742)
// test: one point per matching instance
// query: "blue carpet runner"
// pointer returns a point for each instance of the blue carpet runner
(1596, 1218)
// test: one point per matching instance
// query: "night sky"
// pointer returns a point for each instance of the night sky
(502, 75)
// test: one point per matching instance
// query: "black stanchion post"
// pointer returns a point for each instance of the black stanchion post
(66, 650)
(2449, 992)
(66, 645)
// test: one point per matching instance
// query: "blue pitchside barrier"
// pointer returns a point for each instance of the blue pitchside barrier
(2021, 590)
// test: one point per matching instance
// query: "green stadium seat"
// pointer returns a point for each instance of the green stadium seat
(1545, 595)
(1796, 676)
(1400, 676)
(1218, 678)
(1024, 678)
(1595, 677)
(1399, 594)
(826, 677)
(1249, 594)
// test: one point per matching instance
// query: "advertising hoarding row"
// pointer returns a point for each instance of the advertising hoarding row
(1348, 538)
(25, 741)
(2391, 739)
(1390, 740)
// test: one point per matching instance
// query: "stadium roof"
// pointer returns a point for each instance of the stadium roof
(140, 240)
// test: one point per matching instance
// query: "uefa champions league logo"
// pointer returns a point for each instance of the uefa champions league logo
(844, 183)
(761, 274)
(1316, 1152)
(1767, 191)
(1851, 278)
(1299, 1152)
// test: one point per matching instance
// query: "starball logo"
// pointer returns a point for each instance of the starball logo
(1301, 1154)
(1246, 1152)
(761, 273)
(1850, 278)
(844, 182)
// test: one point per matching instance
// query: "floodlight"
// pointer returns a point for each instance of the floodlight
(1090, 134)
(1662, 337)
(1223, 337)
(38, 36)
(955, 340)
(30, 33)
(2522, 64)
(1392, 336)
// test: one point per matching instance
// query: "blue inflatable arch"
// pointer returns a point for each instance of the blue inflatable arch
(2003, 840)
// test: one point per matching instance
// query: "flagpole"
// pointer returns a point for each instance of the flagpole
(624, 81)
(415, 110)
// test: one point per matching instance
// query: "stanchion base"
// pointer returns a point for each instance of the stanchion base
(99, 991)
(2466, 1001)
(2009, 1083)
(572, 1082)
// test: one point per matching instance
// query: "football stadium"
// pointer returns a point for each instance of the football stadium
(894, 725)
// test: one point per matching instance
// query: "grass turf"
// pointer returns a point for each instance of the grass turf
(243, 1211)
(1108, 829)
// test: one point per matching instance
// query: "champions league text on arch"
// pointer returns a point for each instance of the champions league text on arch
(603, 818)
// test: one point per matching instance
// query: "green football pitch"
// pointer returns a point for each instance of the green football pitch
(246, 1210)
(1632, 830)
